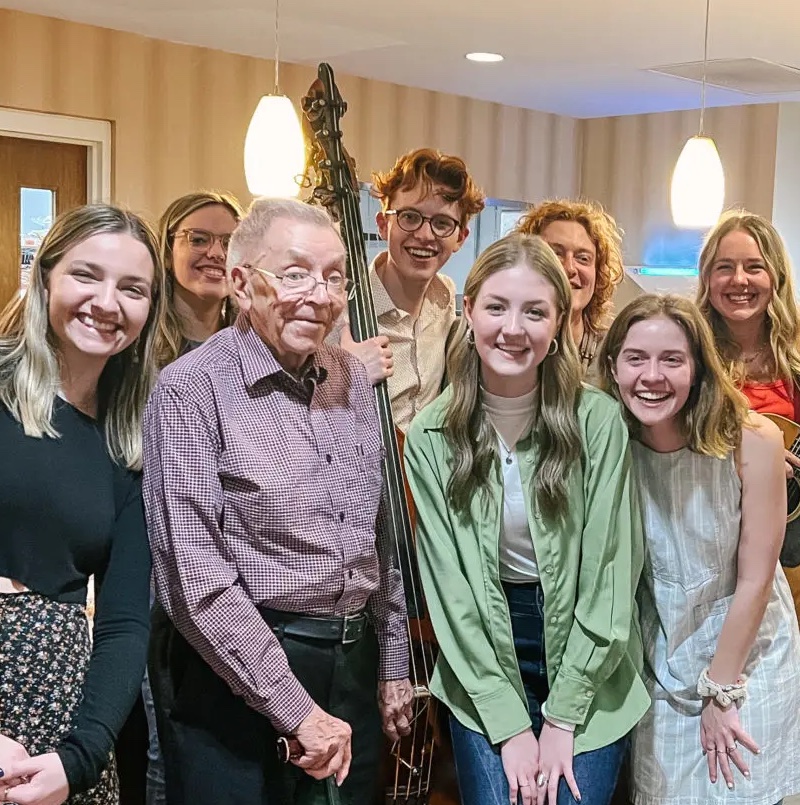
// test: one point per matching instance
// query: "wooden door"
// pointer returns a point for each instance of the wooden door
(38, 180)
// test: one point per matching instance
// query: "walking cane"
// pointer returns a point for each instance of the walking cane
(290, 749)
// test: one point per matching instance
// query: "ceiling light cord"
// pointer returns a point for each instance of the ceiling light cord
(705, 63)
(277, 49)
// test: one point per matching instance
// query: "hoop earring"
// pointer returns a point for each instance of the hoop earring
(553, 348)
(470, 337)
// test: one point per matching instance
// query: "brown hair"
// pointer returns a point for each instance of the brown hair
(170, 332)
(473, 439)
(715, 410)
(782, 319)
(428, 168)
(607, 239)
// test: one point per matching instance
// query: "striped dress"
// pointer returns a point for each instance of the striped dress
(691, 505)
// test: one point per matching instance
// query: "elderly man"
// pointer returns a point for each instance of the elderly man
(282, 610)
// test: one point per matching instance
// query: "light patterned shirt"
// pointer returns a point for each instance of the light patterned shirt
(264, 490)
(418, 345)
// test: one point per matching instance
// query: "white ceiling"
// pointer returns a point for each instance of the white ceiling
(583, 58)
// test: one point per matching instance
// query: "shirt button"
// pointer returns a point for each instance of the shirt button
(350, 573)
(341, 517)
(588, 695)
(328, 457)
(549, 570)
(554, 619)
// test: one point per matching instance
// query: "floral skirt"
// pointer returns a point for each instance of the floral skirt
(44, 654)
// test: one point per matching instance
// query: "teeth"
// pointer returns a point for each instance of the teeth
(425, 253)
(100, 326)
(652, 396)
(740, 297)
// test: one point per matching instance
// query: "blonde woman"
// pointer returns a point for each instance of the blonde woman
(722, 648)
(529, 545)
(747, 294)
(76, 358)
(588, 243)
(193, 236)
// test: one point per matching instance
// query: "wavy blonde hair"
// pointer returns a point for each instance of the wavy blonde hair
(472, 436)
(607, 239)
(30, 371)
(715, 411)
(171, 340)
(782, 319)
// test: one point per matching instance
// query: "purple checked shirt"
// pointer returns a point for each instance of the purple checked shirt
(262, 490)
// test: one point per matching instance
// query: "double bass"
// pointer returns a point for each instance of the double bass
(418, 770)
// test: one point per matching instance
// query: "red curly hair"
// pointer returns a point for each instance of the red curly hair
(427, 167)
(607, 239)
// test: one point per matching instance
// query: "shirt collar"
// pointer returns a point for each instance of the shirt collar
(258, 361)
(440, 292)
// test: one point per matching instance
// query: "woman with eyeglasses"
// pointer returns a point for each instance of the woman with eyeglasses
(193, 234)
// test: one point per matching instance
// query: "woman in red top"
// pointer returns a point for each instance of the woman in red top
(746, 292)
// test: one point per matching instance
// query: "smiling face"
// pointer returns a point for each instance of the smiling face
(655, 371)
(417, 256)
(578, 256)
(514, 319)
(740, 287)
(199, 269)
(293, 325)
(99, 297)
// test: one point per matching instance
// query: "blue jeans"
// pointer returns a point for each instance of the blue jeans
(479, 768)
(156, 793)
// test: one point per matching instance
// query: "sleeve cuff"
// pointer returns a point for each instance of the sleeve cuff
(289, 705)
(562, 725)
(393, 658)
(502, 713)
(570, 699)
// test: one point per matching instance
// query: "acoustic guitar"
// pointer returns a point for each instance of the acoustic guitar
(790, 554)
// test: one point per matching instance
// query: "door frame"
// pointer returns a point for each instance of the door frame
(94, 134)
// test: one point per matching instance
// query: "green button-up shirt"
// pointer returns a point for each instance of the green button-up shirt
(590, 561)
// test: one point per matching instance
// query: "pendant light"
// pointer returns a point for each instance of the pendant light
(698, 181)
(274, 150)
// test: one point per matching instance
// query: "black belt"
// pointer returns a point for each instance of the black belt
(344, 630)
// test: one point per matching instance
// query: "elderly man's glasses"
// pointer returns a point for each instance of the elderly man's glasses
(410, 220)
(201, 241)
(302, 283)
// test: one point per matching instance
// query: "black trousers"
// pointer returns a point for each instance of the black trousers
(219, 750)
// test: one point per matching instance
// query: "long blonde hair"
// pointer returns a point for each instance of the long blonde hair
(715, 411)
(782, 318)
(171, 340)
(30, 372)
(556, 432)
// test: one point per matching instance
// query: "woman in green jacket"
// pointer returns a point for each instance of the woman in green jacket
(530, 545)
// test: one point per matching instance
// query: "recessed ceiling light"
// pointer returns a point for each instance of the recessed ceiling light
(484, 57)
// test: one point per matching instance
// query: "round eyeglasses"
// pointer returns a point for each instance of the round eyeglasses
(410, 220)
(303, 284)
(200, 240)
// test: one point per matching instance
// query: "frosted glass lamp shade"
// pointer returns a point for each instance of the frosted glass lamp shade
(274, 151)
(698, 185)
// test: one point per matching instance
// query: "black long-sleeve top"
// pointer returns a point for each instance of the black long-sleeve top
(67, 511)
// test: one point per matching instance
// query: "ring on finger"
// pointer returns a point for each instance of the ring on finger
(542, 780)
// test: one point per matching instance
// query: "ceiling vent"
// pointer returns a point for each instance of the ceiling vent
(749, 76)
